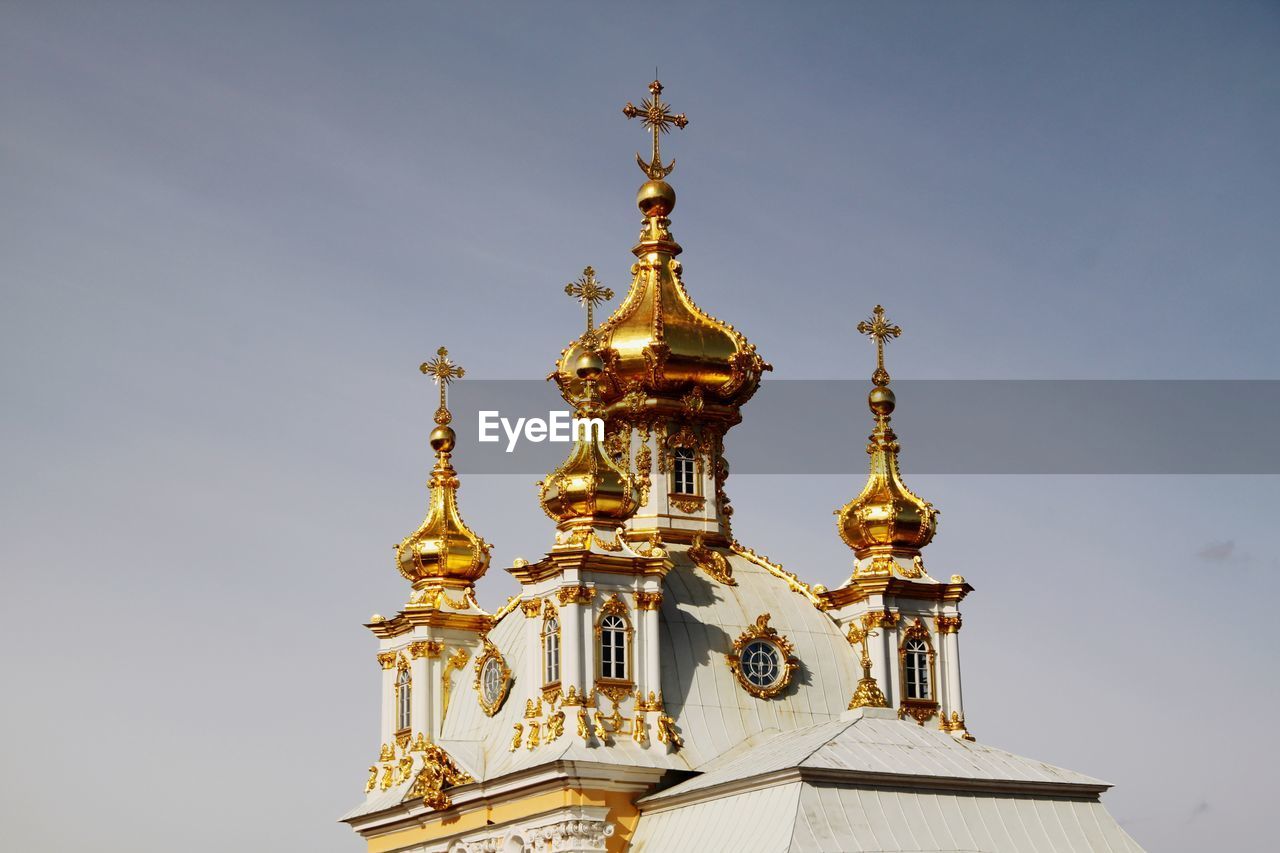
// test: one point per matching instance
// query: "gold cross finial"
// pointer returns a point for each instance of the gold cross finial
(657, 117)
(879, 328)
(588, 292)
(442, 371)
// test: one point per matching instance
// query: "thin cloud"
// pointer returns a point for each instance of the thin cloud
(1223, 551)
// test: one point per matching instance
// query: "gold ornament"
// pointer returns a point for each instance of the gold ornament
(590, 293)
(555, 726)
(513, 601)
(955, 724)
(426, 649)
(373, 778)
(517, 736)
(657, 117)
(575, 594)
(601, 733)
(457, 660)
(868, 693)
(439, 771)
(653, 703)
(387, 660)
(667, 732)
(794, 583)
(646, 600)
(640, 730)
(948, 624)
(761, 630)
(688, 504)
(711, 562)
(879, 619)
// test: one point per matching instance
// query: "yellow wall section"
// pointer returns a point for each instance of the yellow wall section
(622, 813)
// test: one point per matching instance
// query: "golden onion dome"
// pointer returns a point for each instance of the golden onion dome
(658, 341)
(589, 487)
(443, 548)
(886, 518)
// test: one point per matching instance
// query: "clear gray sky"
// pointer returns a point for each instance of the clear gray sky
(230, 232)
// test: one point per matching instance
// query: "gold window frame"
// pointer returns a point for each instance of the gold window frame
(615, 606)
(491, 653)
(918, 709)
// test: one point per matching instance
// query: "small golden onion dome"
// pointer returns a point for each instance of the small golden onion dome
(443, 548)
(589, 487)
(887, 518)
(659, 341)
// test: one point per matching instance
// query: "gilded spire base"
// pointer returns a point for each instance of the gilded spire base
(868, 695)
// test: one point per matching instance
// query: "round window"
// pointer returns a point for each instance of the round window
(761, 663)
(491, 681)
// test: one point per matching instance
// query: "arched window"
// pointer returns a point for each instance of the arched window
(551, 649)
(682, 471)
(404, 687)
(915, 667)
(613, 648)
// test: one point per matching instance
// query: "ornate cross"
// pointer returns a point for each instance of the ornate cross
(877, 327)
(442, 371)
(657, 117)
(588, 292)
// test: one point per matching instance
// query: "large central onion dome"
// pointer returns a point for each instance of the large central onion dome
(658, 342)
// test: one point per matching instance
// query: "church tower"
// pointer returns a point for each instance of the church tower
(674, 377)
(656, 685)
(425, 647)
(905, 622)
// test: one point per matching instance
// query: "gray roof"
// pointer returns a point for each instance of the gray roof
(872, 746)
(801, 817)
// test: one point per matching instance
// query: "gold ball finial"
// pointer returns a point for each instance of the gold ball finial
(881, 400)
(443, 439)
(589, 366)
(656, 198)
